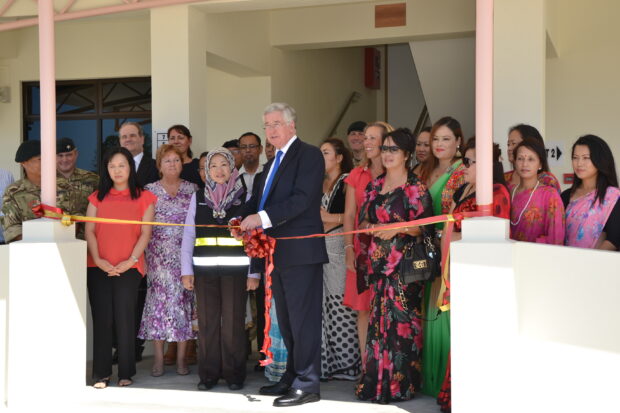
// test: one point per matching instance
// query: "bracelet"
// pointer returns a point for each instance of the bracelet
(134, 258)
(348, 245)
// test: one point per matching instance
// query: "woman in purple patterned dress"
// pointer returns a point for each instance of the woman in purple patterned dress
(168, 309)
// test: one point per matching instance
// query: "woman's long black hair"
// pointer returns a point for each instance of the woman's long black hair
(105, 181)
(603, 161)
(498, 168)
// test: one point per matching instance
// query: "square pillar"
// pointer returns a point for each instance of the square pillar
(519, 66)
(46, 316)
(178, 70)
(484, 319)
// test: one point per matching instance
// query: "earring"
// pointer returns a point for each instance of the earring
(458, 152)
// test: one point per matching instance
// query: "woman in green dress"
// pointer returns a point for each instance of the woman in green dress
(443, 173)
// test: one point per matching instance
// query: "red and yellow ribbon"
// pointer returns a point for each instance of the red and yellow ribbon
(257, 244)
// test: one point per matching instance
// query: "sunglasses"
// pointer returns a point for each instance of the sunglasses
(468, 162)
(393, 149)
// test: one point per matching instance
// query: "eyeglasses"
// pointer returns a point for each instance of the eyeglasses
(468, 162)
(234, 151)
(248, 147)
(171, 161)
(392, 149)
(274, 125)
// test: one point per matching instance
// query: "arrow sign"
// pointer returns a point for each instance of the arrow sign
(555, 150)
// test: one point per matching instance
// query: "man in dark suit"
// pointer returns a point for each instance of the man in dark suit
(131, 137)
(288, 203)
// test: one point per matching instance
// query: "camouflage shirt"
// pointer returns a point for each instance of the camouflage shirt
(72, 194)
(17, 202)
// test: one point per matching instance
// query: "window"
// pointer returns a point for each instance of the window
(90, 112)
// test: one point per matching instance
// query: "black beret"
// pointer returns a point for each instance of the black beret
(357, 126)
(233, 143)
(28, 150)
(65, 145)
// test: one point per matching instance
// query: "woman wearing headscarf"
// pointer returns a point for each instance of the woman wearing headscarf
(215, 266)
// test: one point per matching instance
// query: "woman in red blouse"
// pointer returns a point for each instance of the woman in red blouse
(116, 264)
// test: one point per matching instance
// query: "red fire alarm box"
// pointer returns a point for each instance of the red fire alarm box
(372, 68)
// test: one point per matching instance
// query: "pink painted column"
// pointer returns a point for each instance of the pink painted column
(47, 76)
(484, 106)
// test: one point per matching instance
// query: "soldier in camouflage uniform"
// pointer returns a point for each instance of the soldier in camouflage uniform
(22, 195)
(73, 185)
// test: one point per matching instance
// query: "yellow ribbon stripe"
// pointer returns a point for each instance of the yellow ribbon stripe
(231, 242)
(69, 219)
(218, 241)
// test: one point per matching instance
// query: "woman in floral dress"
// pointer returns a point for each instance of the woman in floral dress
(464, 200)
(537, 211)
(392, 370)
(592, 202)
(443, 173)
(168, 308)
(515, 135)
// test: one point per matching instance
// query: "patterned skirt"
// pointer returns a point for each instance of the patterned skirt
(276, 369)
(392, 369)
(340, 353)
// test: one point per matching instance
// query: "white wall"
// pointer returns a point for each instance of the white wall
(85, 49)
(518, 67)
(318, 83)
(446, 69)
(582, 85)
(404, 92)
(353, 24)
(235, 105)
(534, 327)
(242, 38)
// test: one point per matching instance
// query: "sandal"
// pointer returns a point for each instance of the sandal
(102, 383)
(183, 371)
(157, 371)
(125, 382)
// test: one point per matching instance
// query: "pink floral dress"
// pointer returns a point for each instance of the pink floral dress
(537, 216)
(392, 369)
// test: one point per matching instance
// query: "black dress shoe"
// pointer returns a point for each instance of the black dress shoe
(259, 368)
(235, 386)
(207, 385)
(278, 389)
(296, 397)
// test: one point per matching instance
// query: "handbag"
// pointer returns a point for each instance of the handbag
(421, 261)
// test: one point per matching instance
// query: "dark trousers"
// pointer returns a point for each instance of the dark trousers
(221, 302)
(113, 306)
(139, 310)
(259, 293)
(298, 292)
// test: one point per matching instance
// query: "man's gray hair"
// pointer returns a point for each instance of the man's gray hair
(136, 124)
(288, 113)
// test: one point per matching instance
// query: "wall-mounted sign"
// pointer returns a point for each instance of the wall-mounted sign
(162, 138)
(556, 152)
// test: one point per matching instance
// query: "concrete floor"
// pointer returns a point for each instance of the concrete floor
(174, 393)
